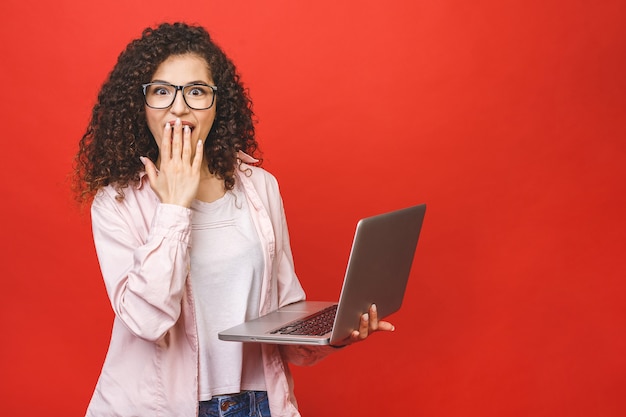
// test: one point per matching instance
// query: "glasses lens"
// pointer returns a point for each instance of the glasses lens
(160, 96)
(199, 96)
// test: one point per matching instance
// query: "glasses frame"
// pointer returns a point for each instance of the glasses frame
(178, 88)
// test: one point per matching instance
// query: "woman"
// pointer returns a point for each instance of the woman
(190, 234)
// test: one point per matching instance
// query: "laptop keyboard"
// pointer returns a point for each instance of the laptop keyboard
(317, 324)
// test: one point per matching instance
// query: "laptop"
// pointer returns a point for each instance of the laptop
(377, 273)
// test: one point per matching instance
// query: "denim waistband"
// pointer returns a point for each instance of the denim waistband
(232, 404)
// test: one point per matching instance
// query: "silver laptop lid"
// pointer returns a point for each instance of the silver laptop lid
(378, 267)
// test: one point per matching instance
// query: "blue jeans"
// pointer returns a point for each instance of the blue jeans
(245, 404)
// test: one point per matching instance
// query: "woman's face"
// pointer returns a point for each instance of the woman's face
(181, 70)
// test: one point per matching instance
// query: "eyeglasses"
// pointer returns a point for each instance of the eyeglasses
(161, 95)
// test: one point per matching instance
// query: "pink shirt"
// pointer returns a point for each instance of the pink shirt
(151, 367)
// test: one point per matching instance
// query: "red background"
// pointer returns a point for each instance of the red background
(506, 117)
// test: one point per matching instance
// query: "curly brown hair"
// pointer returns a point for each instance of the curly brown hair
(118, 134)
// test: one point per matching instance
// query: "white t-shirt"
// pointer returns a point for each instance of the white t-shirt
(226, 274)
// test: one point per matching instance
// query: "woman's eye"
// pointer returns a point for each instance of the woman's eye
(197, 91)
(161, 91)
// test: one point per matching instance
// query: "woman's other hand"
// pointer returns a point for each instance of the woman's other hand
(369, 324)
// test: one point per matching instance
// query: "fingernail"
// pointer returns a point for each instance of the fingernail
(366, 316)
(178, 122)
(187, 129)
(373, 308)
(143, 160)
(199, 143)
(168, 126)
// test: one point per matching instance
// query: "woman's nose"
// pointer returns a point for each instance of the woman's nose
(179, 106)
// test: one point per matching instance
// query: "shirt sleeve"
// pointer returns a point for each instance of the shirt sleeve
(303, 355)
(144, 275)
(289, 288)
(290, 291)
